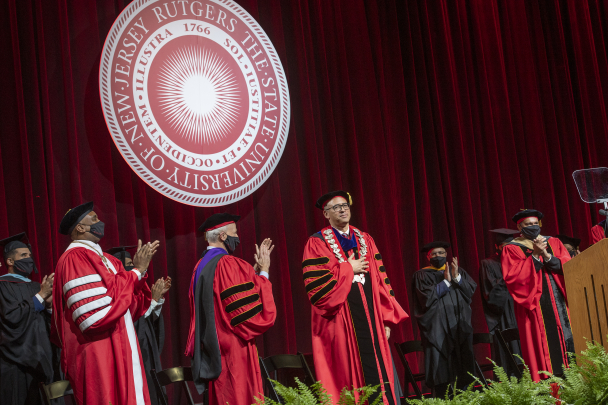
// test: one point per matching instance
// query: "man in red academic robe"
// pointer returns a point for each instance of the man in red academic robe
(95, 301)
(532, 267)
(353, 304)
(231, 303)
(598, 232)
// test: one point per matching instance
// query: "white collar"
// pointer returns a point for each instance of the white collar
(344, 233)
(88, 243)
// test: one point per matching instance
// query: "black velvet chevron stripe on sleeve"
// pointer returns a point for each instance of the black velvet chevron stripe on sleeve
(318, 283)
(241, 302)
(245, 316)
(235, 289)
(314, 274)
(322, 292)
(317, 261)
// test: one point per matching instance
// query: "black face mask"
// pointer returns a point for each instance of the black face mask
(129, 268)
(438, 261)
(530, 232)
(97, 229)
(24, 267)
(231, 243)
(572, 253)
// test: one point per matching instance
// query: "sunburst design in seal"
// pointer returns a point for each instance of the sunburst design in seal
(198, 94)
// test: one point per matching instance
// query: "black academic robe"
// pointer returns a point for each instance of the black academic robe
(26, 352)
(498, 309)
(445, 327)
(151, 337)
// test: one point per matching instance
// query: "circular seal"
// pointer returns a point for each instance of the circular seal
(195, 98)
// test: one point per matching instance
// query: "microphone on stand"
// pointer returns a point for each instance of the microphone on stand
(604, 213)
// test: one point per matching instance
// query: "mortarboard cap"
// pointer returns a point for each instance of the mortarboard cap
(574, 242)
(324, 199)
(217, 221)
(503, 235)
(434, 245)
(121, 252)
(15, 242)
(527, 213)
(73, 217)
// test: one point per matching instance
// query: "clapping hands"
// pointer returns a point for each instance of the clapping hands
(262, 255)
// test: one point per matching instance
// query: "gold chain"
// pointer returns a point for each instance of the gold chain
(103, 258)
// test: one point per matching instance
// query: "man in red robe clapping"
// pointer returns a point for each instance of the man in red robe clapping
(95, 301)
(353, 304)
(231, 303)
(532, 267)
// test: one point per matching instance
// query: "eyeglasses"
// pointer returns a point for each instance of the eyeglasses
(339, 207)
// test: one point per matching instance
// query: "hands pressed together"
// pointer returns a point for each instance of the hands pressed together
(540, 248)
(451, 271)
(160, 288)
(262, 256)
(144, 255)
(46, 289)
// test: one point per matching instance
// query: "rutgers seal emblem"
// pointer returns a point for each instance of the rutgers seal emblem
(195, 98)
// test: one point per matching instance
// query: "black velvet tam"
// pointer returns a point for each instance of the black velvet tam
(217, 221)
(527, 213)
(326, 197)
(434, 245)
(73, 217)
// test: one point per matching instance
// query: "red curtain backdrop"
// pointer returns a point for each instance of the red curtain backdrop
(441, 118)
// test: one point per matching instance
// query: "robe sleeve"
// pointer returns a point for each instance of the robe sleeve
(392, 313)
(493, 288)
(466, 285)
(15, 313)
(327, 281)
(96, 298)
(597, 234)
(142, 296)
(521, 278)
(247, 304)
(559, 252)
(425, 295)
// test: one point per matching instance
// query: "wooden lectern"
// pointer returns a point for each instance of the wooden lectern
(587, 288)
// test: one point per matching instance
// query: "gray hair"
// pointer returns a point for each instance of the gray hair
(214, 235)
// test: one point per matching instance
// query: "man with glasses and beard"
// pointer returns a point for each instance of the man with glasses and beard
(353, 305)
(532, 266)
(442, 305)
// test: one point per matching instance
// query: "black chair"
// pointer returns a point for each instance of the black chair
(504, 337)
(55, 390)
(171, 376)
(412, 346)
(284, 361)
(483, 338)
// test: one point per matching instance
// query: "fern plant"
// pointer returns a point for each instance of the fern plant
(317, 395)
(586, 383)
(506, 391)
